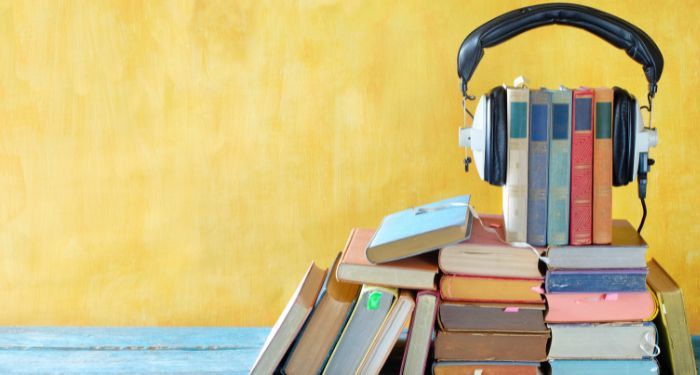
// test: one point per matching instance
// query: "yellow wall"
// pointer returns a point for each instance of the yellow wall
(182, 162)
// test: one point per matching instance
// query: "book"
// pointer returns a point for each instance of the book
(420, 334)
(538, 167)
(581, 219)
(368, 315)
(471, 346)
(490, 289)
(515, 190)
(290, 321)
(322, 329)
(486, 368)
(603, 341)
(417, 272)
(596, 281)
(559, 169)
(388, 334)
(485, 255)
(484, 317)
(599, 307)
(602, 167)
(603, 367)
(421, 229)
(627, 250)
(677, 355)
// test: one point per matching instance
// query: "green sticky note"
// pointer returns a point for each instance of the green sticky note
(373, 300)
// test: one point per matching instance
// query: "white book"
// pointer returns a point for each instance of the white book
(515, 190)
(603, 341)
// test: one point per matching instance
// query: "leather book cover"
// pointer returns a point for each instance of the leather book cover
(600, 307)
(469, 346)
(538, 167)
(480, 317)
(490, 289)
(559, 169)
(602, 167)
(515, 190)
(420, 333)
(581, 219)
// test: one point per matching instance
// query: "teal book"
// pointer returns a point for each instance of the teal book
(603, 367)
(421, 229)
(538, 167)
(559, 169)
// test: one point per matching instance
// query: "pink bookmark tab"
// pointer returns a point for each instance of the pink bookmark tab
(610, 297)
(537, 289)
(511, 309)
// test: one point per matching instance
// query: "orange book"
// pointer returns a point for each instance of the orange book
(602, 167)
(486, 368)
(491, 289)
(416, 272)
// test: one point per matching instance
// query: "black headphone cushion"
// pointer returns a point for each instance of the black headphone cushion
(624, 135)
(499, 136)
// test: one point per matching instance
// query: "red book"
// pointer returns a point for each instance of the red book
(581, 223)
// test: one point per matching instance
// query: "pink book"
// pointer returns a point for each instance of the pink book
(600, 307)
(420, 335)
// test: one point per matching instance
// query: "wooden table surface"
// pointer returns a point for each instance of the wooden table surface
(116, 350)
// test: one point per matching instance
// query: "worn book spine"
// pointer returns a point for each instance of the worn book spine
(581, 222)
(602, 167)
(595, 281)
(515, 190)
(538, 167)
(559, 169)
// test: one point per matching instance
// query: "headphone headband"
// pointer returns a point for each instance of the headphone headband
(618, 32)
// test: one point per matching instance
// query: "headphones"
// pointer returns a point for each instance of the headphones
(488, 135)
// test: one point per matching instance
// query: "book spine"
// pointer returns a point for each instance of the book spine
(559, 169)
(580, 225)
(602, 167)
(538, 167)
(563, 282)
(515, 190)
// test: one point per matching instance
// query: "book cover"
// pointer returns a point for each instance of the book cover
(420, 229)
(483, 317)
(604, 367)
(602, 167)
(290, 322)
(677, 355)
(420, 333)
(515, 190)
(559, 169)
(469, 346)
(484, 254)
(581, 219)
(600, 307)
(596, 281)
(417, 272)
(486, 368)
(603, 341)
(490, 289)
(538, 167)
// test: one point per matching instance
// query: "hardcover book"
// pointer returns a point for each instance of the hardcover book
(604, 367)
(493, 317)
(559, 169)
(484, 254)
(627, 250)
(420, 334)
(581, 220)
(602, 167)
(372, 308)
(486, 368)
(490, 289)
(469, 346)
(677, 355)
(515, 190)
(600, 307)
(322, 329)
(421, 229)
(603, 341)
(538, 167)
(596, 281)
(290, 322)
(417, 272)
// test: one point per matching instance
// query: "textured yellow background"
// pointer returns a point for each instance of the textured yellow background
(182, 162)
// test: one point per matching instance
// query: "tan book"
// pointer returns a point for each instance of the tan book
(417, 272)
(470, 346)
(321, 332)
(486, 368)
(490, 289)
(290, 322)
(492, 317)
(420, 334)
(602, 166)
(677, 355)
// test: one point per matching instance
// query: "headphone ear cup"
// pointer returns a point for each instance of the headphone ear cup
(499, 138)
(624, 120)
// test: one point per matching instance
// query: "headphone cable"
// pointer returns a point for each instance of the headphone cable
(644, 216)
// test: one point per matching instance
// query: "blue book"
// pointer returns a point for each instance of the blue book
(538, 167)
(559, 169)
(421, 229)
(596, 281)
(604, 367)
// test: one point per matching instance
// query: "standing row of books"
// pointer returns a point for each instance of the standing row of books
(477, 305)
(560, 166)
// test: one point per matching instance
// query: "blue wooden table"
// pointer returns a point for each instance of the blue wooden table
(35, 350)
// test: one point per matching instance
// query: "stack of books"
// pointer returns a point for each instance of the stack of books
(600, 310)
